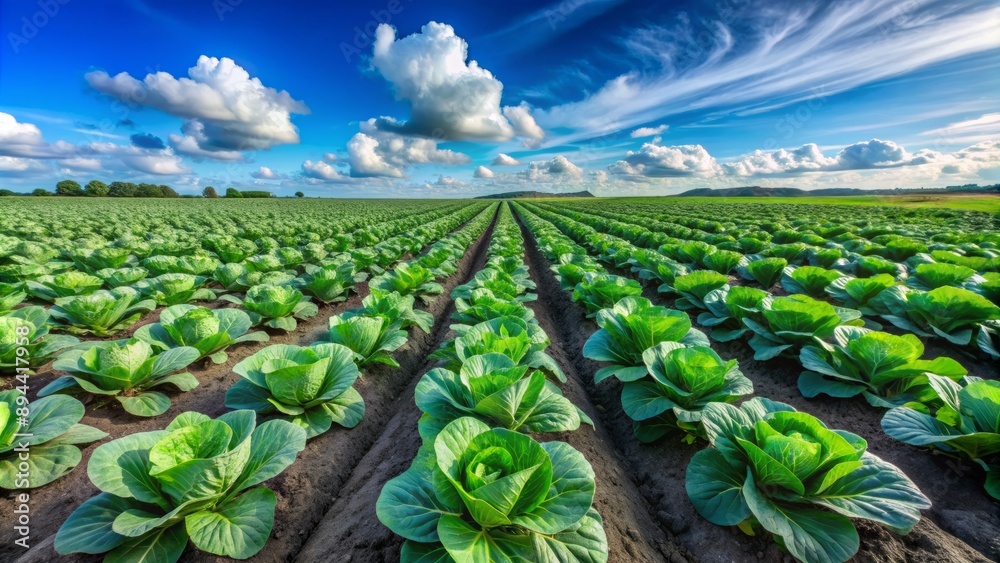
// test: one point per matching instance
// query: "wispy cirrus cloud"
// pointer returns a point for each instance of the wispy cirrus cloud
(774, 57)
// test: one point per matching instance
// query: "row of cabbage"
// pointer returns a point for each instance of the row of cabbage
(104, 291)
(843, 349)
(481, 488)
(197, 478)
(948, 288)
(767, 466)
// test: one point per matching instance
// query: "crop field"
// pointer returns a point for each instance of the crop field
(558, 380)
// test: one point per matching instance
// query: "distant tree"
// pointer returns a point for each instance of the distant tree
(40, 192)
(233, 193)
(255, 194)
(300, 194)
(148, 190)
(167, 191)
(96, 188)
(69, 187)
(122, 189)
(209, 191)
(5, 193)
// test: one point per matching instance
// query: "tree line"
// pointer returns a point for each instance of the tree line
(97, 188)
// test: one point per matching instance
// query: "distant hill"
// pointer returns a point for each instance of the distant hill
(758, 191)
(530, 194)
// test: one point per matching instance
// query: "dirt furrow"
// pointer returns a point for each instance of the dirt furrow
(659, 469)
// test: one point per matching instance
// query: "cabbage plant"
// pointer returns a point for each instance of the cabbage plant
(726, 308)
(502, 284)
(176, 288)
(523, 342)
(764, 271)
(408, 279)
(967, 426)
(277, 306)
(930, 276)
(683, 380)
(28, 328)
(65, 284)
(102, 313)
(810, 280)
(127, 371)
(883, 367)
(396, 307)
(695, 286)
(795, 321)
(208, 331)
(863, 294)
(786, 472)
(195, 480)
(493, 389)
(11, 295)
(310, 386)
(52, 434)
(481, 305)
(573, 269)
(951, 313)
(601, 291)
(631, 327)
(373, 338)
(117, 277)
(331, 284)
(479, 494)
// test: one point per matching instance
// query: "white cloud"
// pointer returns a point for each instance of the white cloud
(524, 124)
(330, 157)
(649, 131)
(11, 166)
(654, 160)
(373, 153)
(558, 166)
(192, 146)
(265, 173)
(81, 163)
(25, 140)
(805, 158)
(321, 170)
(225, 108)
(505, 160)
(450, 97)
(982, 128)
(482, 172)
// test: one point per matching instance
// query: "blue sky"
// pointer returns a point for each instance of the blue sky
(406, 98)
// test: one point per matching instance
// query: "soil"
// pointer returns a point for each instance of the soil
(963, 524)
(308, 486)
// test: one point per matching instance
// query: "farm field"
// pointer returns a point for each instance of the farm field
(649, 379)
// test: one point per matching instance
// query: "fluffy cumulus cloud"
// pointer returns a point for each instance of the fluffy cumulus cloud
(558, 166)
(158, 162)
(803, 159)
(265, 173)
(649, 131)
(505, 160)
(450, 97)
(14, 167)
(377, 153)
(482, 172)
(660, 161)
(24, 140)
(322, 171)
(225, 109)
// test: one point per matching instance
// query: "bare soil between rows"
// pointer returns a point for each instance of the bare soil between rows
(963, 524)
(304, 490)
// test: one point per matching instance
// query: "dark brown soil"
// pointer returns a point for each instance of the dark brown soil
(961, 507)
(308, 486)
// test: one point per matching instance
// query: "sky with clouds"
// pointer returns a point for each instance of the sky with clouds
(450, 98)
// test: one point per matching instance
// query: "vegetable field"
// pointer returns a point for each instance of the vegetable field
(462, 380)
